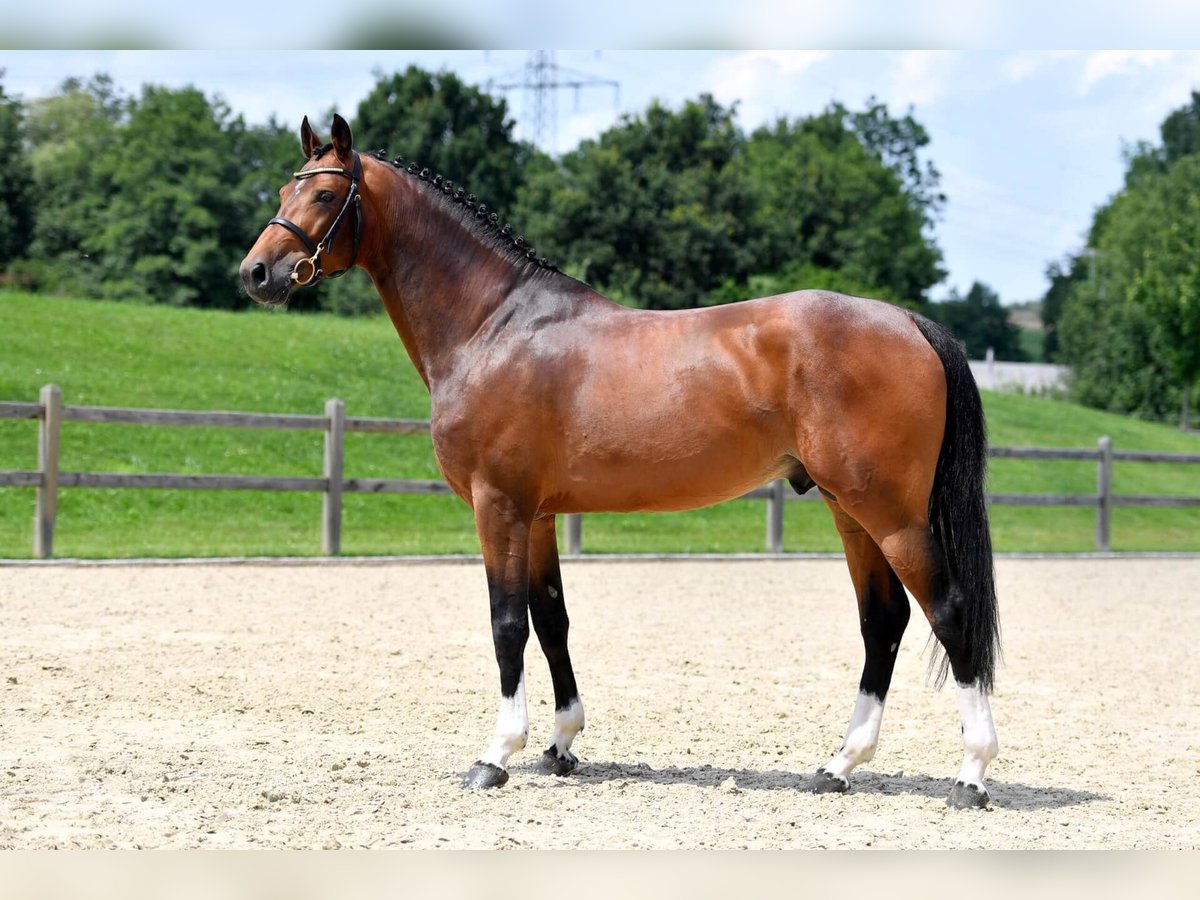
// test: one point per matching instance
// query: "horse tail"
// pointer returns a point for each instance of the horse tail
(958, 516)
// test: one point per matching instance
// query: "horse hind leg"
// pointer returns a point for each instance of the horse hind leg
(919, 561)
(549, 613)
(883, 613)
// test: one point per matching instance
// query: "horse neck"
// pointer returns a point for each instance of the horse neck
(438, 281)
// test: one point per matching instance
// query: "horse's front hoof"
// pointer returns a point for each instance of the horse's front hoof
(553, 764)
(827, 783)
(967, 796)
(484, 775)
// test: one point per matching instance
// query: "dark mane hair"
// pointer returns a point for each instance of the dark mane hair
(478, 218)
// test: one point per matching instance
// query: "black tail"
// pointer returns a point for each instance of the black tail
(958, 511)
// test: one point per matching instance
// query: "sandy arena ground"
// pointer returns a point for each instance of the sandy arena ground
(338, 705)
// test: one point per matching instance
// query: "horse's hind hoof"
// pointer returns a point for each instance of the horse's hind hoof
(967, 796)
(827, 783)
(551, 763)
(484, 775)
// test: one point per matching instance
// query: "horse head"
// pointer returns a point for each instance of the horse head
(319, 219)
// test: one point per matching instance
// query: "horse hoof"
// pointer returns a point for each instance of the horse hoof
(484, 775)
(553, 764)
(967, 796)
(827, 783)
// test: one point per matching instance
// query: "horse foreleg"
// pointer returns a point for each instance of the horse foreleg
(549, 613)
(504, 538)
(882, 614)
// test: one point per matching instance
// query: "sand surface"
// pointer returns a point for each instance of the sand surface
(338, 706)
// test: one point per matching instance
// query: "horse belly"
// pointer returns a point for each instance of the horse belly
(675, 465)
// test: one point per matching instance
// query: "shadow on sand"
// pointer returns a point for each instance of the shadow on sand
(1005, 794)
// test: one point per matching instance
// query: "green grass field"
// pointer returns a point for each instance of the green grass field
(115, 354)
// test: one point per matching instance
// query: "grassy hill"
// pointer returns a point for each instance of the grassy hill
(129, 355)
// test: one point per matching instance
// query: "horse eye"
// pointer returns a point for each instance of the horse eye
(324, 196)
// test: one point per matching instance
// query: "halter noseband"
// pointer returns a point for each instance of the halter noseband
(308, 270)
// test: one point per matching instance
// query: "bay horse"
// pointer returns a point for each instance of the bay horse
(548, 398)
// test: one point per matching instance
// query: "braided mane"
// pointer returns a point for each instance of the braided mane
(479, 219)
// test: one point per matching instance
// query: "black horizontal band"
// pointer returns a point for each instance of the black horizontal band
(296, 230)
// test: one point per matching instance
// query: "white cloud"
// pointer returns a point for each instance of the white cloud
(921, 77)
(1024, 64)
(767, 84)
(1021, 66)
(747, 76)
(1105, 63)
(791, 62)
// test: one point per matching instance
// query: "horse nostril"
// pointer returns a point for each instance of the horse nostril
(259, 274)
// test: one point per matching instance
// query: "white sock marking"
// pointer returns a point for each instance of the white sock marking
(512, 728)
(862, 736)
(979, 733)
(567, 723)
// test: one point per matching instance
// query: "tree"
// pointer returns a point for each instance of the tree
(1131, 330)
(1181, 131)
(1106, 342)
(830, 198)
(1153, 258)
(677, 208)
(16, 183)
(448, 126)
(157, 199)
(898, 143)
(1063, 277)
(174, 228)
(189, 186)
(981, 322)
(70, 132)
(656, 210)
(1128, 330)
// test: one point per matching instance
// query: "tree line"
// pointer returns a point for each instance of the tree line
(1124, 311)
(156, 197)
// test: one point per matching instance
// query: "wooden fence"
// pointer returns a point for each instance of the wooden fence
(50, 413)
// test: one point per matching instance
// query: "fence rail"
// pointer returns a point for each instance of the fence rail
(48, 478)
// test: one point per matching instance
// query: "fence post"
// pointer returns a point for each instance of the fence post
(49, 428)
(775, 517)
(574, 533)
(331, 501)
(1104, 495)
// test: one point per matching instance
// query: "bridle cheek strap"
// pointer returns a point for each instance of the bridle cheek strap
(308, 270)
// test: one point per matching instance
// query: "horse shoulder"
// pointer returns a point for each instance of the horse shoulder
(495, 418)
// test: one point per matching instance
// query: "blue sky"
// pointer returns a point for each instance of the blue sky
(1028, 142)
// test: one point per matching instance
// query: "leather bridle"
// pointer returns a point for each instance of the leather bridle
(308, 270)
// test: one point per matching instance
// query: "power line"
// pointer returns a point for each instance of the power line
(541, 79)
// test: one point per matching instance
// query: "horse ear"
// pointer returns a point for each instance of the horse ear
(343, 140)
(309, 142)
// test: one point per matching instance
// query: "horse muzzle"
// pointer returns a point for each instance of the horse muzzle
(266, 283)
